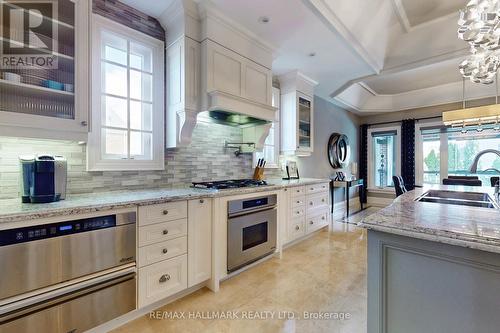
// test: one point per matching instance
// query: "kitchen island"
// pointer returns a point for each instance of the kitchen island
(434, 263)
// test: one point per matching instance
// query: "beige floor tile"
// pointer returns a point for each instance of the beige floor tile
(325, 273)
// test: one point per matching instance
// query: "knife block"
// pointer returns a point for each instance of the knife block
(258, 173)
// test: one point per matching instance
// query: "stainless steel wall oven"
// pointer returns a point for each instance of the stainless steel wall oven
(252, 230)
(68, 276)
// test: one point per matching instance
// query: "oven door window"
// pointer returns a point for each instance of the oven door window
(254, 235)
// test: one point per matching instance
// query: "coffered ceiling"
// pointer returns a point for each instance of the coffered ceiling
(412, 13)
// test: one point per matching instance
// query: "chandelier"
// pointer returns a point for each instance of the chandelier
(479, 25)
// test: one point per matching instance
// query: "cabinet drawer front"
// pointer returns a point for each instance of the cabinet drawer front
(317, 188)
(297, 212)
(316, 222)
(298, 201)
(160, 232)
(316, 201)
(161, 251)
(162, 212)
(298, 191)
(162, 279)
(296, 229)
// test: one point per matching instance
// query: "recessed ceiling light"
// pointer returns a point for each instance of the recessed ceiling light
(264, 19)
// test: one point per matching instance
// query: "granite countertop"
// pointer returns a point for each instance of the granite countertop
(472, 227)
(13, 210)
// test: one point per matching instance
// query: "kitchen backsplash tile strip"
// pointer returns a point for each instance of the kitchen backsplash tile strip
(205, 159)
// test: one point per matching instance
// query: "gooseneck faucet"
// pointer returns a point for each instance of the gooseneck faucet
(473, 167)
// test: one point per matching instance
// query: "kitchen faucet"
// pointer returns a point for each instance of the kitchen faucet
(473, 167)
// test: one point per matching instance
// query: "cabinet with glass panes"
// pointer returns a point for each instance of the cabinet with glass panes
(44, 68)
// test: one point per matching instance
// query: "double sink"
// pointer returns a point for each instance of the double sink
(472, 199)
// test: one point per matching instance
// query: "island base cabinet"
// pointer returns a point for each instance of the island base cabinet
(199, 241)
(163, 279)
(417, 286)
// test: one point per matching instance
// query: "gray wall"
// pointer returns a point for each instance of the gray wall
(329, 118)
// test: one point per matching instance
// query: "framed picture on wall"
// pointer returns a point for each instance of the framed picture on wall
(292, 171)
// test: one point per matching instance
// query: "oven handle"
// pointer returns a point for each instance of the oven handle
(61, 293)
(251, 211)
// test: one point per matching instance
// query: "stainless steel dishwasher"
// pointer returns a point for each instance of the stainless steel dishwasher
(68, 276)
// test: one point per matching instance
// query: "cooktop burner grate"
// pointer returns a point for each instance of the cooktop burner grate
(233, 183)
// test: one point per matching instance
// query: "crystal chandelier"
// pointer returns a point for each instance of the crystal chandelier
(479, 25)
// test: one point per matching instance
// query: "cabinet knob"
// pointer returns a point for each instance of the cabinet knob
(286, 190)
(164, 278)
(297, 227)
(298, 212)
(312, 188)
(83, 123)
(298, 191)
(165, 251)
(311, 222)
(165, 232)
(298, 201)
(311, 203)
(202, 201)
(322, 200)
(322, 217)
(165, 212)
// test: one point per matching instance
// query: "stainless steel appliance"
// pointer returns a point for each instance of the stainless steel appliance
(68, 276)
(43, 178)
(232, 183)
(251, 230)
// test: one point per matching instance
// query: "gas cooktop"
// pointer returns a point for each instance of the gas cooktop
(233, 183)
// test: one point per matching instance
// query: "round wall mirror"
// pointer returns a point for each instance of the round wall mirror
(339, 151)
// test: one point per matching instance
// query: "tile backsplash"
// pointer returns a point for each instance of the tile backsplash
(205, 159)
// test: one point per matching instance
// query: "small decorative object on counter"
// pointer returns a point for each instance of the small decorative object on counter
(292, 172)
(340, 176)
(259, 170)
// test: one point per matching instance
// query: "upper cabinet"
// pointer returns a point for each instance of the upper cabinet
(297, 114)
(44, 87)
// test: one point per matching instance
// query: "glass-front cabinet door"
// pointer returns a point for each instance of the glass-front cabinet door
(44, 67)
(305, 122)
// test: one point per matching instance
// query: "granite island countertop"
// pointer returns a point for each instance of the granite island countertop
(472, 227)
(12, 210)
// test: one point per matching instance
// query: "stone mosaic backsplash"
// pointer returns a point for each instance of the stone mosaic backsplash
(205, 159)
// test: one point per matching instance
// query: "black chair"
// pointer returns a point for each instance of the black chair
(463, 182)
(399, 185)
(494, 181)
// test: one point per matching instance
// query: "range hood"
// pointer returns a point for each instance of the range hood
(235, 119)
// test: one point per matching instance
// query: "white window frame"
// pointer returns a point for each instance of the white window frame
(419, 152)
(371, 183)
(276, 95)
(95, 160)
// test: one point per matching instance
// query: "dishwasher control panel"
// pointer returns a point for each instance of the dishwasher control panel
(38, 232)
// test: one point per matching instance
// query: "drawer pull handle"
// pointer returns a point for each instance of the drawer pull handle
(165, 232)
(202, 201)
(311, 222)
(165, 251)
(298, 191)
(312, 188)
(164, 278)
(311, 203)
(297, 227)
(165, 212)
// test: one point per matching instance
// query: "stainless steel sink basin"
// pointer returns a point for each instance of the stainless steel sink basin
(472, 199)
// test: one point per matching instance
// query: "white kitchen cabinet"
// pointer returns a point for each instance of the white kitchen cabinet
(308, 210)
(36, 107)
(234, 79)
(199, 241)
(297, 114)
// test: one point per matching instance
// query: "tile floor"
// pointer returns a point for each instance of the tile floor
(325, 273)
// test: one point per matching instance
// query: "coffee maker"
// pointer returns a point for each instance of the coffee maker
(42, 178)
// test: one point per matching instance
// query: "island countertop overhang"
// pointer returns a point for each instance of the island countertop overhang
(471, 227)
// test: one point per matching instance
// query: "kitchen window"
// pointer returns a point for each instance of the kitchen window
(127, 99)
(271, 151)
(384, 150)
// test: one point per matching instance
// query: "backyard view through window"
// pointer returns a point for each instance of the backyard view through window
(460, 151)
(384, 153)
